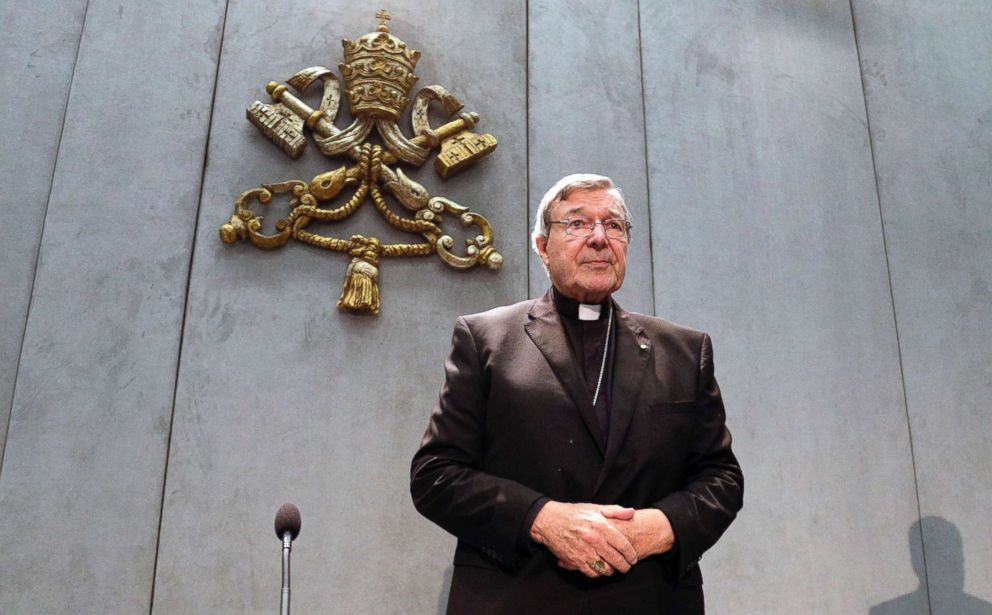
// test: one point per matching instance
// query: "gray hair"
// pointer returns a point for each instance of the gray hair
(566, 186)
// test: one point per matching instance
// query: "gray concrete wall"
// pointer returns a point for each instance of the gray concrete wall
(928, 82)
(81, 482)
(810, 184)
(38, 57)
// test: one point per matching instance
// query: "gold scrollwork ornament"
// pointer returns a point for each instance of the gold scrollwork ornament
(378, 71)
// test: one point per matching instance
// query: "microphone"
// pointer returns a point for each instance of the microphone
(288, 520)
(287, 528)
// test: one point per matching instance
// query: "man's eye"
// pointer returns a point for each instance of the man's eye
(613, 225)
(577, 223)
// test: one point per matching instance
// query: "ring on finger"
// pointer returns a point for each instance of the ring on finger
(598, 565)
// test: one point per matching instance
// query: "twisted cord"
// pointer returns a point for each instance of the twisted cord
(347, 246)
(407, 249)
(340, 213)
(358, 246)
(332, 215)
(404, 224)
(328, 243)
(366, 248)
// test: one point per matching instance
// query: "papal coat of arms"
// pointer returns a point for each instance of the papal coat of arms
(378, 73)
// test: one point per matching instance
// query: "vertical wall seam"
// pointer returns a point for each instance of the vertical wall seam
(892, 302)
(527, 249)
(182, 326)
(647, 166)
(41, 238)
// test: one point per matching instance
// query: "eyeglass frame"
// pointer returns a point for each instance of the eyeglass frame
(626, 226)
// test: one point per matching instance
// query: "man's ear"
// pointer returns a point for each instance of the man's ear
(541, 243)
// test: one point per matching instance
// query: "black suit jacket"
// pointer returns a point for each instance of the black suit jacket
(514, 422)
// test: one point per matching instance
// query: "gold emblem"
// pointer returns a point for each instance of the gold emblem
(378, 71)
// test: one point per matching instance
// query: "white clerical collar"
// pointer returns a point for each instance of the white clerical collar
(570, 308)
(589, 312)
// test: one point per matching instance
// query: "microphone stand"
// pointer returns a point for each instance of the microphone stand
(287, 546)
(287, 527)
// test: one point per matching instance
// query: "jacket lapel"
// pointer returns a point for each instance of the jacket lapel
(632, 356)
(547, 332)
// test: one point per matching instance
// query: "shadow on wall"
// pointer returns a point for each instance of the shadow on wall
(945, 564)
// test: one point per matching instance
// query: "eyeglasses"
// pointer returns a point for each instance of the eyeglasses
(583, 227)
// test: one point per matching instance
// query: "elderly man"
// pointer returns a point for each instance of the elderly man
(577, 451)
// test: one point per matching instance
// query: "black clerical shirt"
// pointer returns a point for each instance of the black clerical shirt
(587, 338)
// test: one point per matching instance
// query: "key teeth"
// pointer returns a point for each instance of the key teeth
(279, 125)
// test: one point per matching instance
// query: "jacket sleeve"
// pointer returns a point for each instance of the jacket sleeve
(713, 486)
(447, 480)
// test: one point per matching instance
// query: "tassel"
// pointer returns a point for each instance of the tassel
(361, 287)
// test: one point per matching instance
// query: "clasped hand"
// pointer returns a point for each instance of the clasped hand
(581, 534)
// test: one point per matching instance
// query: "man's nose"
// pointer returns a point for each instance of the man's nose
(598, 236)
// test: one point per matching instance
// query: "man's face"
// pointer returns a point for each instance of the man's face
(585, 268)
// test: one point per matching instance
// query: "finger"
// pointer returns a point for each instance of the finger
(614, 560)
(589, 572)
(601, 570)
(616, 539)
(617, 512)
(566, 565)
